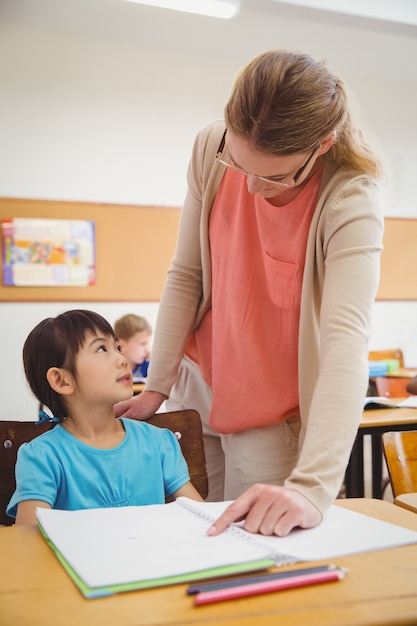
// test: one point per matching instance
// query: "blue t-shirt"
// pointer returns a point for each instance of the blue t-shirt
(57, 468)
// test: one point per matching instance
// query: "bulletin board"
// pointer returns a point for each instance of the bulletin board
(135, 244)
(43, 252)
(133, 248)
(399, 260)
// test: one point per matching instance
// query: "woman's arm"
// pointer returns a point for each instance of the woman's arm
(186, 295)
(341, 278)
(183, 291)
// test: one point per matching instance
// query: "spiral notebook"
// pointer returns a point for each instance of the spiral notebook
(111, 550)
(380, 402)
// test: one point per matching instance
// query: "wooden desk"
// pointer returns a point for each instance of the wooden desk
(408, 501)
(403, 372)
(380, 588)
(374, 422)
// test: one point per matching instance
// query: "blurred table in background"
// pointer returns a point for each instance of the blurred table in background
(374, 422)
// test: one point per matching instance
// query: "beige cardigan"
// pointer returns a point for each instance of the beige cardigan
(339, 285)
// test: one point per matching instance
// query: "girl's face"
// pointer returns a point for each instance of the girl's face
(103, 372)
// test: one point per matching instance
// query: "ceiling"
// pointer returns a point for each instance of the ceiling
(400, 12)
(375, 37)
(398, 16)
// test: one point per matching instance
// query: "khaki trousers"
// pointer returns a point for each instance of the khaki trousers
(236, 461)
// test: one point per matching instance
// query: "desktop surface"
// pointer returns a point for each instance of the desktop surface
(380, 588)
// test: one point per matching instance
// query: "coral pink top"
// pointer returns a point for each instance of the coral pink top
(258, 255)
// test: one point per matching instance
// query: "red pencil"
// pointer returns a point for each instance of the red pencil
(241, 591)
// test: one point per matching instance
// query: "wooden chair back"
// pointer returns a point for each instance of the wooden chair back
(400, 452)
(12, 435)
(412, 386)
(380, 355)
(186, 424)
(392, 387)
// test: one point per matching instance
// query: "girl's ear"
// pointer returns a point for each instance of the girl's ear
(60, 380)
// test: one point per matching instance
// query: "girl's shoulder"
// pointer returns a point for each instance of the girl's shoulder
(139, 426)
(143, 429)
(46, 437)
(45, 445)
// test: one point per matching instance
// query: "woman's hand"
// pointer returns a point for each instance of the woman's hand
(269, 510)
(140, 407)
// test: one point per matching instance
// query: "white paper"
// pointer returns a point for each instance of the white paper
(111, 546)
(341, 532)
(374, 402)
(410, 402)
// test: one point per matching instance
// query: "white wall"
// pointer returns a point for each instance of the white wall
(108, 119)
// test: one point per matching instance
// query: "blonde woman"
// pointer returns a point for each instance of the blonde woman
(264, 321)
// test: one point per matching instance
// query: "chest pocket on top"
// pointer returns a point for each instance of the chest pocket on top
(281, 281)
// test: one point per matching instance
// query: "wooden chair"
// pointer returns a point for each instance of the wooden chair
(412, 386)
(391, 387)
(186, 425)
(12, 435)
(380, 355)
(400, 452)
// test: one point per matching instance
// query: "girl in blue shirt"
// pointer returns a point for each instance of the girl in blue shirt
(74, 366)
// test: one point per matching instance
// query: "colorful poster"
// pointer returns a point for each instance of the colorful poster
(48, 252)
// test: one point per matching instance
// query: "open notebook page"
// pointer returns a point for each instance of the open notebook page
(380, 402)
(341, 532)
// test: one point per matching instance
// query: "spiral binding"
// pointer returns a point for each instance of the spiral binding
(278, 557)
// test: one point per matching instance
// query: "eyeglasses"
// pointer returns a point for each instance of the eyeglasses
(278, 181)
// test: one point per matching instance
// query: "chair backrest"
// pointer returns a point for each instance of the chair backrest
(186, 424)
(12, 435)
(391, 386)
(400, 452)
(393, 353)
(412, 386)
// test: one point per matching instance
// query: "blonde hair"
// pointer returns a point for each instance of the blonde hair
(130, 324)
(285, 102)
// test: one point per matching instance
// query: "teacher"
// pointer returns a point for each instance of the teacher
(264, 321)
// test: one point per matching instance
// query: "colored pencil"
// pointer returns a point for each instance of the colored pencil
(233, 592)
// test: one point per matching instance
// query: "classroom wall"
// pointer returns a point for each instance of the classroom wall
(95, 119)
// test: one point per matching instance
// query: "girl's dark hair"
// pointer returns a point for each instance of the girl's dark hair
(55, 342)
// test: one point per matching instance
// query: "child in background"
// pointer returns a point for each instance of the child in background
(134, 333)
(75, 367)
